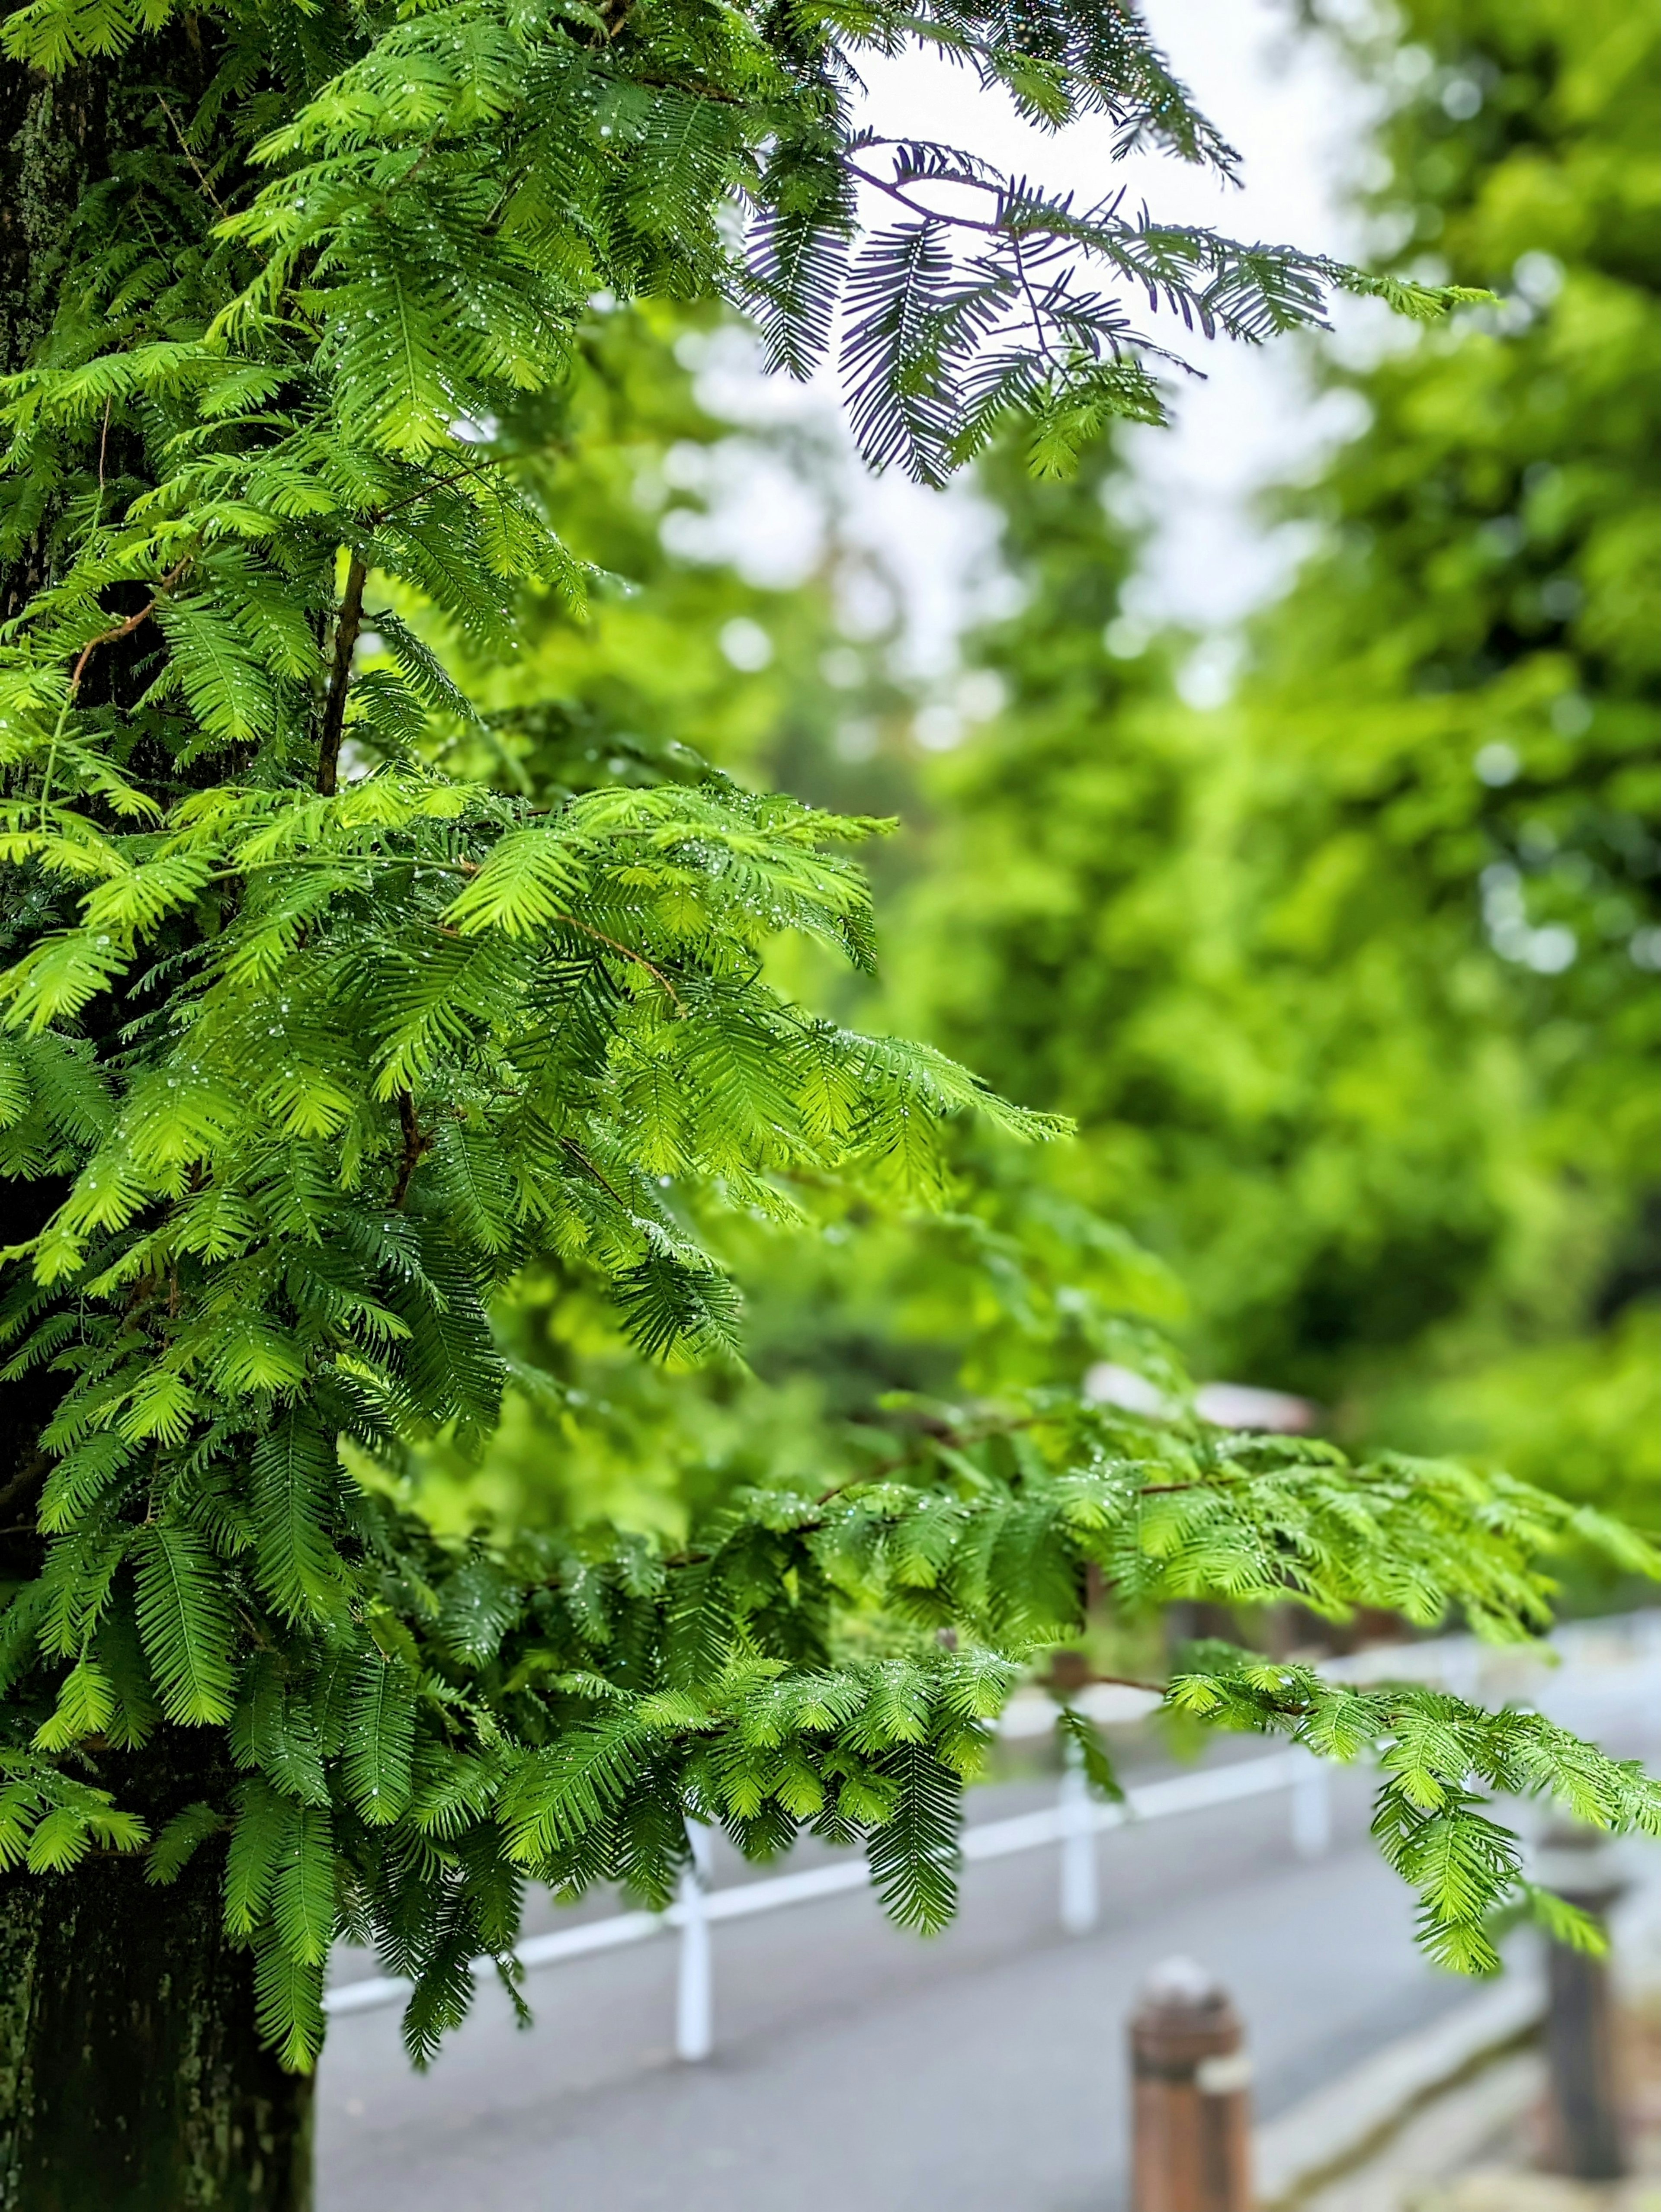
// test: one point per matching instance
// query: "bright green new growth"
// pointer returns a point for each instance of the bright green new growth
(322, 1059)
(1432, 1826)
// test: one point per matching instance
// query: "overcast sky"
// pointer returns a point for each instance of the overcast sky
(1299, 121)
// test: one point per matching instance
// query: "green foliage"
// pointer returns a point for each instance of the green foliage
(1430, 1749)
(314, 1051)
(1579, 1414)
(1474, 620)
(1083, 1743)
(1345, 983)
(49, 1821)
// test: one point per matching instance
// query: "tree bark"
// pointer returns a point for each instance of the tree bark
(131, 2075)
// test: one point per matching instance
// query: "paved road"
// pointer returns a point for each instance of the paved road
(982, 2072)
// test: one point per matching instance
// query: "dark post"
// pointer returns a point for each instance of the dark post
(1192, 2117)
(1583, 2132)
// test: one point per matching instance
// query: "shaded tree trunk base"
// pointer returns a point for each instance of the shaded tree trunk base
(131, 2075)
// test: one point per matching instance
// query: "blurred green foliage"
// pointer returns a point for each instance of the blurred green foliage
(1350, 985)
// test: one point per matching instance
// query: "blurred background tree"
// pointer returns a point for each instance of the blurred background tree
(1350, 985)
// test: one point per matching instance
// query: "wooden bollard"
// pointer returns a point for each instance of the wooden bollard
(1191, 2106)
(1583, 2102)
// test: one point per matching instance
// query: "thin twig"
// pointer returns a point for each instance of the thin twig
(935, 1432)
(571, 1146)
(105, 637)
(126, 629)
(1038, 332)
(627, 951)
(416, 1142)
(692, 91)
(347, 624)
(201, 176)
(347, 860)
(932, 214)
(1172, 1489)
(376, 516)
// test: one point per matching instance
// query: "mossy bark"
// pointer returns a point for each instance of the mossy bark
(131, 2074)
(131, 2077)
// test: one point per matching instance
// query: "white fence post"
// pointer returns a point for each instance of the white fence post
(694, 2029)
(1311, 1809)
(1079, 1899)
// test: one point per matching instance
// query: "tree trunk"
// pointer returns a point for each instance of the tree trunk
(131, 2077)
(131, 2074)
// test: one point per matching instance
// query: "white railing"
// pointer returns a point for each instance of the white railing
(1073, 1823)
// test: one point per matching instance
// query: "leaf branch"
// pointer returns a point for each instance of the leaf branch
(417, 1141)
(348, 622)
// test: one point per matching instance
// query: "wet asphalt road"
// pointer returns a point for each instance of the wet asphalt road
(982, 2071)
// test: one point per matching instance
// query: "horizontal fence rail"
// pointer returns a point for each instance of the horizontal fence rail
(1071, 1825)
(1074, 1822)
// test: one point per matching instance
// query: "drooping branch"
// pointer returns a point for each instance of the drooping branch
(347, 625)
(417, 1142)
(133, 621)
